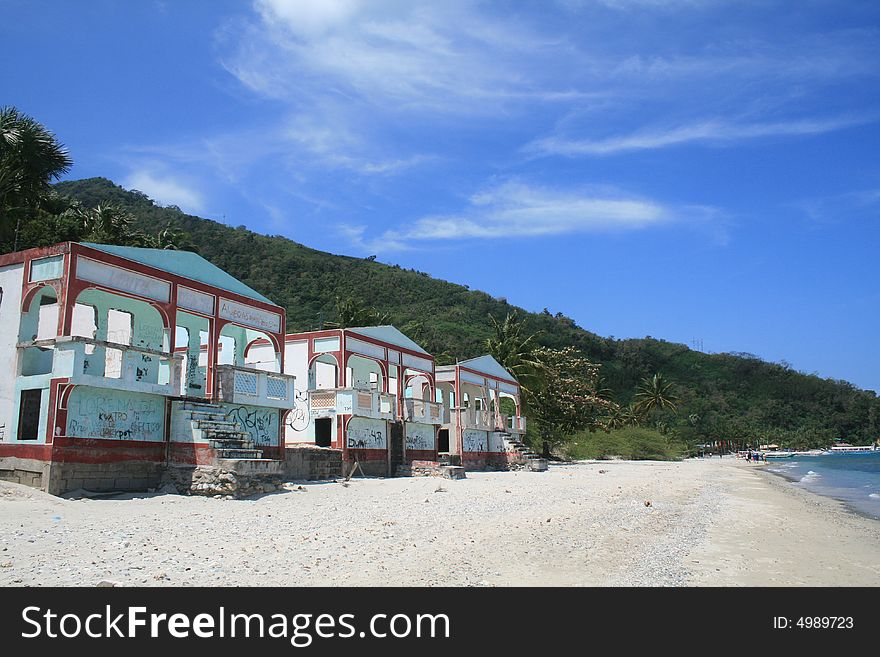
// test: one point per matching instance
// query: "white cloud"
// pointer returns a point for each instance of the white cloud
(166, 189)
(515, 209)
(714, 131)
(390, 54)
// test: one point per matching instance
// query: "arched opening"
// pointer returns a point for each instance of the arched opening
(364, 374)
(324, 372)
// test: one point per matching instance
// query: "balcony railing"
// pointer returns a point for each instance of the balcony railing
(424, 411)
(244, 385)
(473, 418)
(352, 401)
(101, 364)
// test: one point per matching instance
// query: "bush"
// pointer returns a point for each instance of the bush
(632, 443)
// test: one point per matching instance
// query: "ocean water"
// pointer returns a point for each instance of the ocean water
(851, 478)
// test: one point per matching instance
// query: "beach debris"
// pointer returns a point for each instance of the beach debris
(647, 502)
(440, 489)
(160, 576)
(602, 471)
(107, 584)
(6, 564)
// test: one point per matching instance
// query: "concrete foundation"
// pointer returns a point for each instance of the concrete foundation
(308, 463)
(431, 469)
(228, 478)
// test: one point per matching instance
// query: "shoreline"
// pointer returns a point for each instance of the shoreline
(592, 523)
(846, 504)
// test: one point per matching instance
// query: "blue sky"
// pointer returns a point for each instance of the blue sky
(684, 169)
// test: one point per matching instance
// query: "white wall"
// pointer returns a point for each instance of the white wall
(298, 426)
(10, 311)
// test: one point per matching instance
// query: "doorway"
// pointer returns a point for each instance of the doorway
(323, 431)
(29, 414)
(443, 441)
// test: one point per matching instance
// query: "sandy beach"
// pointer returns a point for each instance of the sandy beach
(706, 522)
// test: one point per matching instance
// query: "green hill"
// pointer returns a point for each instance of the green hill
(724, 396)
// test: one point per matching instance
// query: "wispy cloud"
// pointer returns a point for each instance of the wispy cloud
(712, 131)
(516, 209)
(166, 189)
(859, 204)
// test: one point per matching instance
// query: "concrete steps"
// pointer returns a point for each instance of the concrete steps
(533, 461)
(224, 435)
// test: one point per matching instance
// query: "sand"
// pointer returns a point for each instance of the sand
(709, 522)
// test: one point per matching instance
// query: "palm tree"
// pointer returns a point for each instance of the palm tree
(655, 393)
(30, 159)
(173, 239)
(516, 353)
(350, 312)
(107, 224)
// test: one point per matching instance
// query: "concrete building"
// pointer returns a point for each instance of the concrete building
(368, 391)
(482, 409)
(122, 363)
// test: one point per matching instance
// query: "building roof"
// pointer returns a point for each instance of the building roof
(489, 366)
(182, 263)
(390, 335)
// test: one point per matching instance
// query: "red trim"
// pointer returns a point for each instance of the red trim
(420, 455)
(38, 452)
(20, 257)
(81, 249)
(488, 376)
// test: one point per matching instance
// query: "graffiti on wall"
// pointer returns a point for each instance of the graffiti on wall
(298, 418)
(118, 415)
(474, 441)
(419, 437)
(365, 433)
(261, 424)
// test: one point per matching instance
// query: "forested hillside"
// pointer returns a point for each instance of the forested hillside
(722, 396)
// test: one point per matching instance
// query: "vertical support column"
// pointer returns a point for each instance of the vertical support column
(214, 328)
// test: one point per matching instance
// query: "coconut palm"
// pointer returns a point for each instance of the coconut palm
(173, 239)
(655, 393)
(30, 159)
(350, 312)
(107, 224)
(516, 352)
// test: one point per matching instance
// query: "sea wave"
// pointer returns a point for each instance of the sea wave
(810, 476)
(876, 496)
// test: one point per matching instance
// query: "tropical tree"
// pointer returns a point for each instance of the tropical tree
(351, 312)
(566, 401)
(30, 159)
(173, 239)
(517, 353)
(655, 394)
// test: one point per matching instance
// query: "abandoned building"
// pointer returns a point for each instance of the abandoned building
(483, 421)
(129, 362)
(368, 391)
(135, 368)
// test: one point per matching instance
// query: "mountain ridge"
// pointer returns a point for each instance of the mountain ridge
(726, 395)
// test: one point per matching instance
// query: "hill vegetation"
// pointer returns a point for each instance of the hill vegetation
(588, 395)
(730, 396)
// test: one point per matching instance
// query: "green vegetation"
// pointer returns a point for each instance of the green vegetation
(684, 396)
(627, 443)
(733, 397)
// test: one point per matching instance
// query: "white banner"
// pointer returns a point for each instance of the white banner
(250, 316)
(123, 280)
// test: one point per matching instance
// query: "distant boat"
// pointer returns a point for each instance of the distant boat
(779, 455)
(861, 449)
